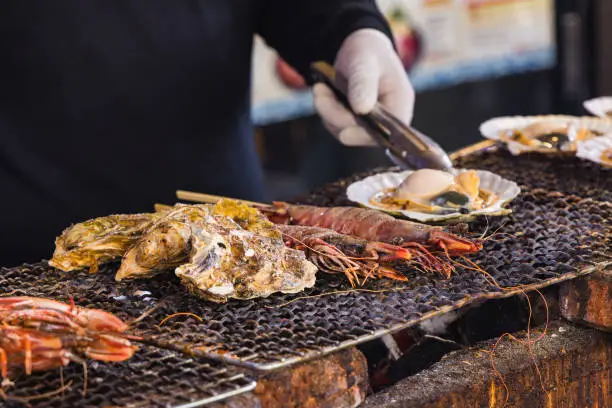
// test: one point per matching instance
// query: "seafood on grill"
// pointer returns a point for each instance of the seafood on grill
(228, 262)
(554, 134)
(233, 250)
(39, 334)
(597, 150)
(429, 195)
(224, 251)
(358, 258)
(373, 225)
(98, 241)
(165, 245)
(601, 106)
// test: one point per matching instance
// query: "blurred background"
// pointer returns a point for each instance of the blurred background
(469, 60)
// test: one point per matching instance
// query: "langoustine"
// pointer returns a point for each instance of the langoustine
(357, 258)
(373, 225)
(39, 334)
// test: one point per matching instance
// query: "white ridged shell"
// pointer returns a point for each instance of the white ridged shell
(362, 191)
(493, 128)
(594, 148)
(599, 106)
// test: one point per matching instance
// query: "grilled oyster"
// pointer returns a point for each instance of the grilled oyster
(228, 250)
(99, 240)
(167, 243)
(230, 262)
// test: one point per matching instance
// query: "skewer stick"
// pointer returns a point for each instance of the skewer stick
(161, 207)
(209, 198)
(466, 151)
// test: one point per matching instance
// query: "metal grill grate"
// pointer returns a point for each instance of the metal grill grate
(552, 236)
(151, 378)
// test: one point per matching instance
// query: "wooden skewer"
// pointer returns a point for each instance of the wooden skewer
(212, 199)
(466, 151)
(161, 207)
(209, 198)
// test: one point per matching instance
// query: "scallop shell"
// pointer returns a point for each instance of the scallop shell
(493, 128)
(362, 191)
(594, 148)
(601, 107)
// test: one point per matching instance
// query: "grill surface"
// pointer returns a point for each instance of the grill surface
(560, 229)
(151, 378)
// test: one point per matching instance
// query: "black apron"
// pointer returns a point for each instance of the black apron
(109, 106)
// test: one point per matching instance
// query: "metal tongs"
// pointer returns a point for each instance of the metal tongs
(404, 145)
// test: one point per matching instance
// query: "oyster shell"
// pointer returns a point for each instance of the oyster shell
(164, 246)
(224, 251)
(364, 190)
(227, 261)
(99, 240)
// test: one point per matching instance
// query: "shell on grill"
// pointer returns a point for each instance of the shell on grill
(552, 134)
(100, 240)
(597, 150)
(434, 196)
(224, 251)
(601, 107)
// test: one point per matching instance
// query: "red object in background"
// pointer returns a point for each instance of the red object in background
(407, 40)
(289, 75)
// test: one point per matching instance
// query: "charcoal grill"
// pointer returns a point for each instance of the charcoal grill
(153, 377)
(560, 229)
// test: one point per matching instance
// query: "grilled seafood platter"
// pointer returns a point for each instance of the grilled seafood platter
(429, 195)
(597, 150)
(554, 134)
(233, 250)
(601, 107)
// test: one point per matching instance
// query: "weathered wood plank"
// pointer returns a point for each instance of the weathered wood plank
(588, 300)
(575, 364)
(336, 381)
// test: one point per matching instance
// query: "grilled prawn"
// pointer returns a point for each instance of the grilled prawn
(333, 252)
(372, 225)
(41, 334)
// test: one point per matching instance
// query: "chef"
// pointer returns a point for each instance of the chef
(108, 106)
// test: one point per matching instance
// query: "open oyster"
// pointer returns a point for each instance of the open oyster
(544, 134)
(433, 196)
(597, 150)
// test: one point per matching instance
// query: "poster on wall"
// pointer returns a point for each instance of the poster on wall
(440, 42)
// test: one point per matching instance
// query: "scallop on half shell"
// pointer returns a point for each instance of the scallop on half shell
(557, 134)
(601, 107)
(598, 150)
(426, 186)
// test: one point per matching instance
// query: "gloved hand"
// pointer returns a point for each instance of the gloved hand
(375, 74)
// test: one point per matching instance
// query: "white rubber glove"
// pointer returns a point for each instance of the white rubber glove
(375, 74)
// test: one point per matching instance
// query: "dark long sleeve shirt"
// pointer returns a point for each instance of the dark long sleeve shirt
(108, 106)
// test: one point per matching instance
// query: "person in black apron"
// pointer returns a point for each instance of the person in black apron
(108, 106)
